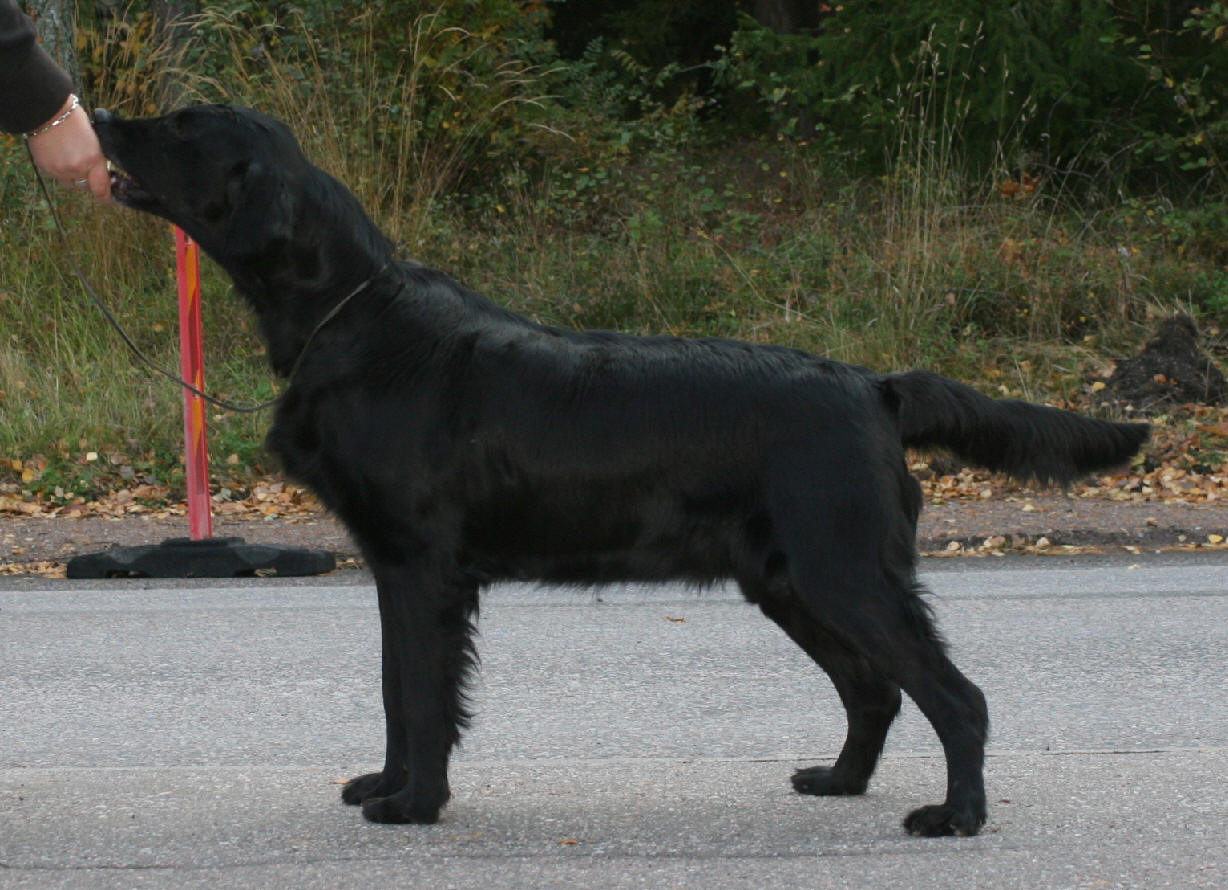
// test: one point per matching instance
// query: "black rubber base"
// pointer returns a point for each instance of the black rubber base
(210, 558)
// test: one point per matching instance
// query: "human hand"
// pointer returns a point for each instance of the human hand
(69, 152)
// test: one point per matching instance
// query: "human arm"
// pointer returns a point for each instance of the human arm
(34, 92)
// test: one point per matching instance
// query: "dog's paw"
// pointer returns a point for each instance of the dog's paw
(399, 809)
(361, 788)
(824, 780)
(943, 820)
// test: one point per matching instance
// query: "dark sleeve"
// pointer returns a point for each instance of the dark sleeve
(32, 86)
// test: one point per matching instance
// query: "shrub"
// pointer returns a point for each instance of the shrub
(1063, 85)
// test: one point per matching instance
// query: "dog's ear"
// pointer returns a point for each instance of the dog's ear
(261, 209)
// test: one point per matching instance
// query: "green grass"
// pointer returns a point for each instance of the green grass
(1016, 296)
(764, 241)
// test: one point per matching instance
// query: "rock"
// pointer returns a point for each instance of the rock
(1169, 371)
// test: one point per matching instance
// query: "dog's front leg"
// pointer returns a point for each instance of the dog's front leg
(426, 623)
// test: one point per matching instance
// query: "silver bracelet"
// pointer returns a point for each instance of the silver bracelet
(51, 125)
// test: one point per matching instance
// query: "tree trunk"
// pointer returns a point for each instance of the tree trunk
(789, 16)
(170, 15)
(794, 17)
(170, 19)
(54, 20)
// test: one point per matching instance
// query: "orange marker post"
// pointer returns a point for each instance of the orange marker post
(201, 555)
(192, 366)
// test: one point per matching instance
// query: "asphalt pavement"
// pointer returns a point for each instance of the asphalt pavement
(192, 735)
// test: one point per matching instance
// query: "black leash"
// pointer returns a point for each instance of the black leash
(150, 363)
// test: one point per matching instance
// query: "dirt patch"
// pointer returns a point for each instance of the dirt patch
(1024, 522)
(1056, 523)
(1169, 371)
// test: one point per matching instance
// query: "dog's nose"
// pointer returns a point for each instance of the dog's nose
(102, 116)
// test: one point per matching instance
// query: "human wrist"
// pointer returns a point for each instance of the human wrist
(71, 104)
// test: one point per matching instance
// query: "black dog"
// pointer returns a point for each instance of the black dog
(462, 444)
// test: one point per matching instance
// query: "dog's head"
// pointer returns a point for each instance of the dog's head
(225, 175)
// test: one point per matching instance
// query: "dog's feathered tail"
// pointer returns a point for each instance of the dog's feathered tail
(1025, 441)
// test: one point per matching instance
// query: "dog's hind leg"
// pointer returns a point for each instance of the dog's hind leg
(427, 630)
(870, 703)
(892, 634)
(956, 709)
(891, 631)
(837, 554)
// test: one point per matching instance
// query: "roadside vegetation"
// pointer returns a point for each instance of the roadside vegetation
(966, 202)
